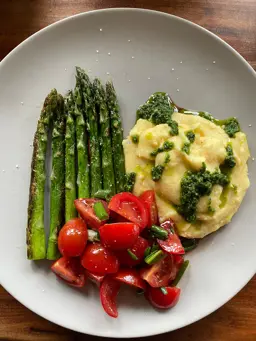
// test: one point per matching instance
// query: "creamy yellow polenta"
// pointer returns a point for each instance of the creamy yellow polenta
(209, 147)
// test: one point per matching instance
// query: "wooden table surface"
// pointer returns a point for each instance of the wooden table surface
(232, 20)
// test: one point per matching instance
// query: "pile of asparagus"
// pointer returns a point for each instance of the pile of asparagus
(87, 157)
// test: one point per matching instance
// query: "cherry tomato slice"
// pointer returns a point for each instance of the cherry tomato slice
(138, 249)
(130, 207)
(172, 244)
(99, 260)
(86, 211)
(148, 197)
(159, 274)
(108, 292)
(73, 238)
(130, 277)
(95, 278)
(163, 301)
(70, 270)
(119, 236)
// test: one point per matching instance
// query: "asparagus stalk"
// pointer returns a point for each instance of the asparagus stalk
(70, 160)
(117, 137)
(57, 180)
(35, 229)
(83, 171)
(106, 149)
(94, 142)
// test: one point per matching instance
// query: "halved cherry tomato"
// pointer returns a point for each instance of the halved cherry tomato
(119, 236)
(108, 292)
(95, 278)
(159, 274)
(130, 277)
(138, 249)
(172, 244)
(100, 260)
(148, 197)
(73, 238)
(70, 270)
(86, 211)
(163, 301)
(130, 207)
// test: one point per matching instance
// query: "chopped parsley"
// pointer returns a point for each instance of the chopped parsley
(158, 109)
(194, 185)
(129, 181)
(186, 148)
(135, 139)
(167, 146)
(190, 136)
(230, 161)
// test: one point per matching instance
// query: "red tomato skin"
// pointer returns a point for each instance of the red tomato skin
(159, 274)
(130, 207)
(72, 238)
(148, 197)
(109, 289)
(130, 277)
(138, 249)
(162, 301)
(95, 278)
(86, 211)
(70, 271)
(172, 244)
(99, 260)
(119, 236)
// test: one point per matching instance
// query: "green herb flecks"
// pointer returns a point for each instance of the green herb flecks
(159, 232)
(190, 136)
(157, 171)
(158, 109)
(130, 179)
(194, 185)
(135, 139)
(167, 146)
(230, 161)
(186, 148)
(132, 255)
(211, 210)
(181, 272)
(154, 257)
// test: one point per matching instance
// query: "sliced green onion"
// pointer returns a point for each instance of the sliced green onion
(154, 247)
(159, 232)
(103, 194)
(180, 273)
(100, 211)
(132, 255)
(93, 236)
(164, 291)
(189, 244)
(154, 257)
(147, 251)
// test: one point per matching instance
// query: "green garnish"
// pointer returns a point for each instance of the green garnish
(164, 291)
(130, 179)
(147, 251)
(158, 109)
(135, 139)
(154, 257)
(211, 210)
(100, 211)
(186, 148)
(159, 232)
(190, 136)
(103, 194)
(194, 185)
(234, 187)
(167, 146)
(180, 273)
(230, 161)
(157, 172)
(189, 244)
(132, 255)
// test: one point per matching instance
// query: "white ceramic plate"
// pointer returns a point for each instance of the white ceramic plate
(143, 52)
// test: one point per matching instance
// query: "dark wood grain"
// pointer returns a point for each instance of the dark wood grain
(232, 20)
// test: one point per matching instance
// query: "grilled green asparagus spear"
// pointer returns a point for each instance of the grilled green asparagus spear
(35, 229)
(57, 180)
(83, 171)
(117, 137)
(94, 142)
(105, 138)
(70, 159)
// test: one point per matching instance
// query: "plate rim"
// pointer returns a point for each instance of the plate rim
(144, 332)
